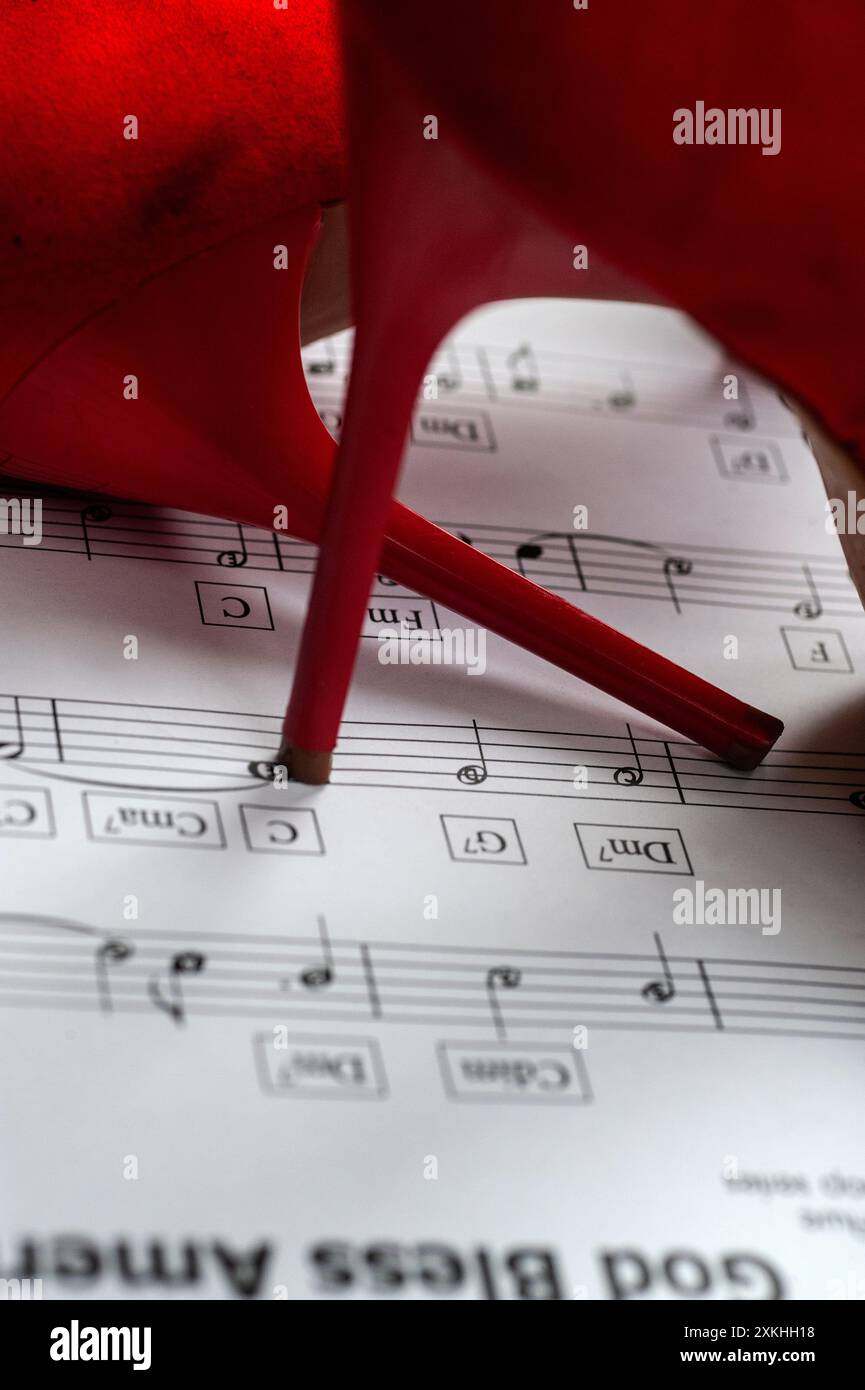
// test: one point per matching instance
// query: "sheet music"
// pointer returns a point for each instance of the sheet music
(536, 999)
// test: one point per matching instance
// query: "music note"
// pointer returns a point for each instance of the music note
(184, 963)
(265, 770)
(451, 378)
(810, 607)
(625, 397)
(630, 776)
(663, 990)
(501, 977)
(675, 565)
(10, 749)
(110, 952)
(474, 773)
(234, 558)
(317, 976)
(325, 366)
(534, 550)
(524, 369)
(528, 550)
(741, 417)
(93, 512)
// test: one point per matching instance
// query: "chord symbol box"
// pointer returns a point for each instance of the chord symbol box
(646, 849)
(142, 819)
(528, 1074)
(26, 811)
(319, 1068)
(469, 430)
(749, 460)
(387, 612)
(274, 830)
(817, 649)
(483, 840)
(233, 605)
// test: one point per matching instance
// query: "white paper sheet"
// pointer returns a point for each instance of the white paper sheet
(439, 1030)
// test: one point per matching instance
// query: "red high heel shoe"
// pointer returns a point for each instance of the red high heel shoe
(182, 385)
(220, 391)
(491, 183)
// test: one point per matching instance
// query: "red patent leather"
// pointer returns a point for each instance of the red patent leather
(239, 120)
(133, 260)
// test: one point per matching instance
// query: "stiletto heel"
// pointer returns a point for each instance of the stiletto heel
(162, 272)
(353, 533)
(464, 241)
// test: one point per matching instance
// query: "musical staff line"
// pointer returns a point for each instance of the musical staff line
(679, 576)
(220, 975)
(472, 374)
(164, 748)
(570, 564)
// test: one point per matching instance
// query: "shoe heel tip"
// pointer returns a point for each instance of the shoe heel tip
(309, 766)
